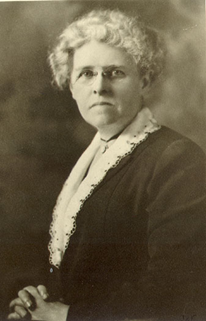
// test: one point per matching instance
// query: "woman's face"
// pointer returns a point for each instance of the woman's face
(106, 85)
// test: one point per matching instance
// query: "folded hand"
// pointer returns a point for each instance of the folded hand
(31, 300)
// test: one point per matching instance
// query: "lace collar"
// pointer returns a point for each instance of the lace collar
(77, 190)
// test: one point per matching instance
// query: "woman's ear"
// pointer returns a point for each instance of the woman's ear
(71, 89)
(145, 82)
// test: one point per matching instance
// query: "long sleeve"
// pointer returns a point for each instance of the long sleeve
(177, 229)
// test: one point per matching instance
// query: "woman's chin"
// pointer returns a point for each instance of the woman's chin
(102, 121)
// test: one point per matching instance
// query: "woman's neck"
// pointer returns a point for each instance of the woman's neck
(109, 131)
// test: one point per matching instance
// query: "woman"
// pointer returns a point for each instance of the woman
(128, 230)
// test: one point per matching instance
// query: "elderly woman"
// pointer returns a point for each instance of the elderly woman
(128, 230)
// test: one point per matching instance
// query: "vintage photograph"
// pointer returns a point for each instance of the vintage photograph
(102, 160)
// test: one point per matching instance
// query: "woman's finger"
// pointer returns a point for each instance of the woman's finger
(43, 291)
(14, 302)
(13, 315)
(34, 296)
(20, 311)
(27, 299)
(33, 291)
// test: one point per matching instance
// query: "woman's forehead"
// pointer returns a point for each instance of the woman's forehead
(106, 67)
(100, 54)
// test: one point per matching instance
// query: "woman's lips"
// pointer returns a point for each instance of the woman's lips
(101, 104)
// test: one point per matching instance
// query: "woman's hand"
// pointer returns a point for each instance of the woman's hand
(31, 301)
(19, 305)
(47, 311)
(18, 310)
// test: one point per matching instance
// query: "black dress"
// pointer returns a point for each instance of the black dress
(139, 250)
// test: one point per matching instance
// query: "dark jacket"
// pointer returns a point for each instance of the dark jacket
(139, 250)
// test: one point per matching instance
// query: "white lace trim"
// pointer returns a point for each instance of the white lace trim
(76, 190)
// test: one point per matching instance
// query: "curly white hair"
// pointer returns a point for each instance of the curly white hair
(112, 27)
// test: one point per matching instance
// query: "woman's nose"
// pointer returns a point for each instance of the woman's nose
(101, 84)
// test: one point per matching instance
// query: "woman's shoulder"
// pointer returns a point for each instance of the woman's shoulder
(166, 139)
(166, 146)
(174, 158)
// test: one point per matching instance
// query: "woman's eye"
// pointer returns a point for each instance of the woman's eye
(86, 74)
(117, 73)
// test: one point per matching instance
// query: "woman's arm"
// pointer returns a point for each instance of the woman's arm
(177, 228)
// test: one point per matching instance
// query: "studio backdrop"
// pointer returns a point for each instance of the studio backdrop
(41, 132)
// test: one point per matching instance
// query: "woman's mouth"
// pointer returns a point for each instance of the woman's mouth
(102, 103)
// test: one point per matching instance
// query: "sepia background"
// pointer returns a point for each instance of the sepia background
(41, 133)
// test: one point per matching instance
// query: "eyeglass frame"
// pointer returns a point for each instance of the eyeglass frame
(105, 74)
